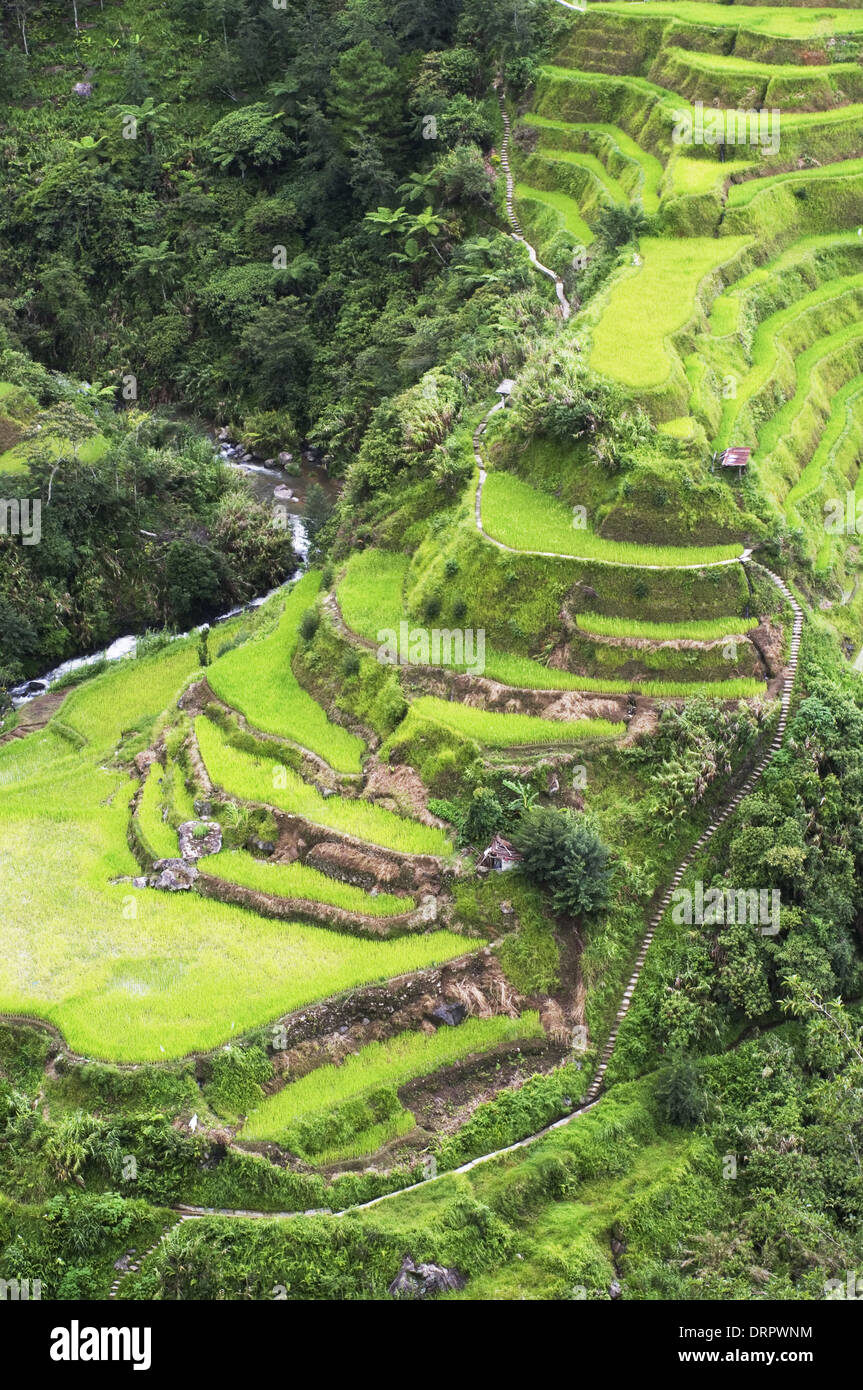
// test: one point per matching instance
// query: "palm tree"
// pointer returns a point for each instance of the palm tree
(387, 219)
(155, 263)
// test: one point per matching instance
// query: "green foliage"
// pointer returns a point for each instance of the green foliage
(564, 852)
(237, 1075)
(679, 1093)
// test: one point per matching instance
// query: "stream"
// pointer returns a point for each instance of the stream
(271, 485)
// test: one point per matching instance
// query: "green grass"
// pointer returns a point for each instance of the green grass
(384, 1064)
(525, 519)
(650, 167)
(128, 697)
(371, 592)
(297, 881)
(845, 418)
(15, 460)
(562, 205)
(742, 194)
(692, 177)
(768, 343)
(257, 679)
(706, 630)
(726, 310)
(784, 22)
(257, 779)
(592, 166)
(509, 730)
(160, 837)
(650, 302)
(810, 403)
(136, 975)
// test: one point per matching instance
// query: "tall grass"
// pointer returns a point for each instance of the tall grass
(258, 680)
(509, 730)
(160, 837)
(528, 520)
(298, 881)
(370, 593)
(390, 1063)
(704, 630)
(258, 779)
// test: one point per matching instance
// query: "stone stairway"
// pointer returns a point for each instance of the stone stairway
(517, 233)
(128, 1265)
(730, 806)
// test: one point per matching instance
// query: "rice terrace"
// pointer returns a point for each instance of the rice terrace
(430, 468)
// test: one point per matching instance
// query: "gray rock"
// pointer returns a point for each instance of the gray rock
(83, 89)
(173, 875)
(198, 838)
(420, 1281)
(203, 807)
(449, 1014)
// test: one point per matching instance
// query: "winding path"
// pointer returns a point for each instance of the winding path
(517, 234)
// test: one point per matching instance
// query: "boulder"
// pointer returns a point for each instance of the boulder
(199, 838)
(449, 1014)
(423, 1280)
(173, 875)
(145, 760)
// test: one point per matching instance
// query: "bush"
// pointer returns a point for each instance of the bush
(309, 624)
(681, 1098)
(235, 1086)
(484, 818)
(565, 853)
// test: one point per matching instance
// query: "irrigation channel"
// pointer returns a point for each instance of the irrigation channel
(592, 1095)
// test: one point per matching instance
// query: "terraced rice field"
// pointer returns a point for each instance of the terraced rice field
(651, 302)
(297, 880)
(258, 680)
(378, 1065)
(509, 730)
(525, 519)
(133, 975)
(268, 782)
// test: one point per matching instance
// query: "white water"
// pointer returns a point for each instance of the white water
(127, 646)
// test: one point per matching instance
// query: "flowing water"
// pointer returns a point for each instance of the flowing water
(271, 485)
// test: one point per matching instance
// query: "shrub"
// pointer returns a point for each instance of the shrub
(309, 624)
(681, 1098)
(564, 852)
(238, 1074)
(484, 817)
